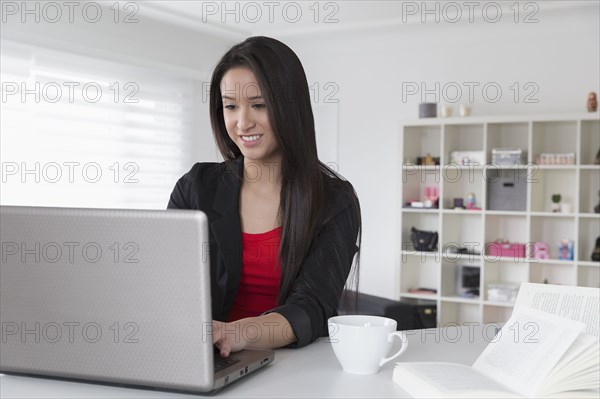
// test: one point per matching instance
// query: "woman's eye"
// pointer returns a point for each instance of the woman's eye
(259, 106)
(229, 107)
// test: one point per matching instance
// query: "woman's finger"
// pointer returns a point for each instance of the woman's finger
(225, 348)
(216, 332)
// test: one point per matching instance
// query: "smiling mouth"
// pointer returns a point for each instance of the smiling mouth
(251, 138)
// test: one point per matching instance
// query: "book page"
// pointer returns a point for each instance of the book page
(583, 346)
(575, 303)
(527, 348)
(448, 380)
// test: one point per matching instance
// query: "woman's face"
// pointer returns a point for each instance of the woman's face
(246, 118)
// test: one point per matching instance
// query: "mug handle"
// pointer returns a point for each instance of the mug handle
(402, 337)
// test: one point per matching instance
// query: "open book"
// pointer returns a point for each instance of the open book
(548, 348)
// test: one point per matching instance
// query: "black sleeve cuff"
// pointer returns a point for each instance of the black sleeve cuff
(299, 321)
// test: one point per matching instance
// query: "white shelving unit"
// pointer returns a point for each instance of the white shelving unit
(578, 184)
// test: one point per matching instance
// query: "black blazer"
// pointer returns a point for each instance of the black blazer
(214, 189)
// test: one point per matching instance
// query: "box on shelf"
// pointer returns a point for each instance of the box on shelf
(505, 249)
(507, 190)
(509, 156)
(566, 250)
(467, 158)
(567, 158)
(500, 292)
(540, 250)
(467, 281)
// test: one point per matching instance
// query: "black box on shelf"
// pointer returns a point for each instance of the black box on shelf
(507, 190)
(410, 314)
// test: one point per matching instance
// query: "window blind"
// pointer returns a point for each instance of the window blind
(85, 132)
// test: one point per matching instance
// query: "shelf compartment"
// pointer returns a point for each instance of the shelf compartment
(418, 273)
(553, 273)
(551, 231)
(458, 181)
(588, 277)
(462, 138)
(414, 182)
(545, 183)
(511, 228)
(452, 313)
(504, 273)
(462, 231)
(507, 135)
(589, 190)
(420, 141)
(420, 221)
(590, 141)
(507, 189)
(554, 137)
(450, 283)
(589, 231)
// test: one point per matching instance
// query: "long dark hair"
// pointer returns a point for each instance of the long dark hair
(303, 198)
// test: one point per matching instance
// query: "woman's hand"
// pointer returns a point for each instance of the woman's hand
(262, 332)
(227, 337)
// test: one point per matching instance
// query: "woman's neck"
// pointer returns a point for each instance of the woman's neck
(263, 174)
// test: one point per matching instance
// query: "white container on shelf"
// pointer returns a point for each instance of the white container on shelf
(500, 292)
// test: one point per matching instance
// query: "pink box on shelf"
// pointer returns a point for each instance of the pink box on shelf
(540, 250)
(506, 249)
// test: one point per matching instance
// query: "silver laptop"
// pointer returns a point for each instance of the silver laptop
(115, 296)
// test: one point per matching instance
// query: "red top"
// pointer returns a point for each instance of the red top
(259, 283)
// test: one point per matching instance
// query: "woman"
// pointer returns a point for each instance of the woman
(284, 228)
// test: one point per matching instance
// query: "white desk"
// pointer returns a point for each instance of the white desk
(312, 371)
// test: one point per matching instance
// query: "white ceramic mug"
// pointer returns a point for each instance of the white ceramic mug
(361, 343)
(446, 111)
(464, 110)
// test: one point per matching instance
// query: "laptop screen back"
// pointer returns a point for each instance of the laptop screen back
(121, 296)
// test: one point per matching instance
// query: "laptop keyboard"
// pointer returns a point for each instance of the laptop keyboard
(221, 363)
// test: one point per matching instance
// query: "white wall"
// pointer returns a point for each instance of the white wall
(560, 54)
